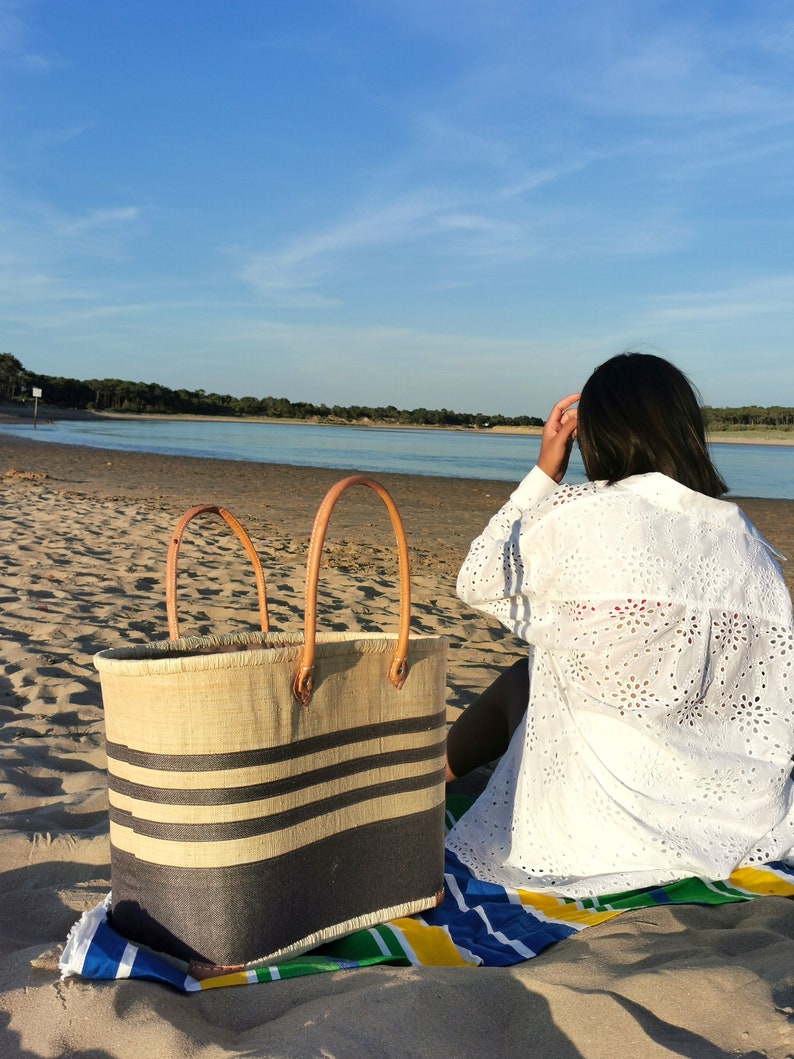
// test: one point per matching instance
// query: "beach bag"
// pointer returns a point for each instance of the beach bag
(271, 791)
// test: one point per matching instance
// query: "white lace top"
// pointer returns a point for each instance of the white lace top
(659, 736)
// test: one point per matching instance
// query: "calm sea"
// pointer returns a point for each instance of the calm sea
(749, 470)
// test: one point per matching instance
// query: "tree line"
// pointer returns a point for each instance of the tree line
(120, 395)
(748, 418)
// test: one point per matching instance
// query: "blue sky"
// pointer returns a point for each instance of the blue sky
(431, 203)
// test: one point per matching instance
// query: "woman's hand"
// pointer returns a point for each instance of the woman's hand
(557, 438)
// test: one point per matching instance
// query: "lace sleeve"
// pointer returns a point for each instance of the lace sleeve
(492, 576)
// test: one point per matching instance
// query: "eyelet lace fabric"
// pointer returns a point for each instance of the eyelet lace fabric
(659, 735)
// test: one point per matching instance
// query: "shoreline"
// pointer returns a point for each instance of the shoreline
(497, 487)
(441, 515)
(48, 413)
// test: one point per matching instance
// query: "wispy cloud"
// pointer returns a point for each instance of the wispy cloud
(97, 220)
(757, 297)
(609, 78)
(25, 284)
(347, 364)
(677, 75)
(291, 276)
(42, 245)
(15, 52)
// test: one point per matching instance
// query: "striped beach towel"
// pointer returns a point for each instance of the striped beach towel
(477, 924)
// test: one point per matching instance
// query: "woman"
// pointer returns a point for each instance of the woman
(659, 733)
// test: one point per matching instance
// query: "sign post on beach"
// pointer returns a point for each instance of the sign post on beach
(36, 395)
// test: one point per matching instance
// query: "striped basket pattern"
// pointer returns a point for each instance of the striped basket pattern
(247, 826)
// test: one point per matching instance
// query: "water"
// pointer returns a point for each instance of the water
(749, 470)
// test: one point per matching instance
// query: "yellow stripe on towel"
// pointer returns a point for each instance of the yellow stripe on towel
(431, 946)
(761, 881)
(559, 910)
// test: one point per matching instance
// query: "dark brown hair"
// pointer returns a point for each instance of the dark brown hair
(639, 413)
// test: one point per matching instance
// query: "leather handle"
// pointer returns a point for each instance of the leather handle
(172, 564)
(303, 684)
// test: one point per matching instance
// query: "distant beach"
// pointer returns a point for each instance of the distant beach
(11, 413)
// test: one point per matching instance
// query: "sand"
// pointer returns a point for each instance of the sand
(84, 533)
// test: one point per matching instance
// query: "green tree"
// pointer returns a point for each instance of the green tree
(13, 377)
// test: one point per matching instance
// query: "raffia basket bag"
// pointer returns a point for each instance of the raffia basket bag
(271, 791)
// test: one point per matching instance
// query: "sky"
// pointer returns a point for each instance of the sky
(462, 204)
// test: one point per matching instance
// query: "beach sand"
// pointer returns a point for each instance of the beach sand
(84, 536)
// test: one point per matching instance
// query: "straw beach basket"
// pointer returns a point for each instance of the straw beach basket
(269, 792)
